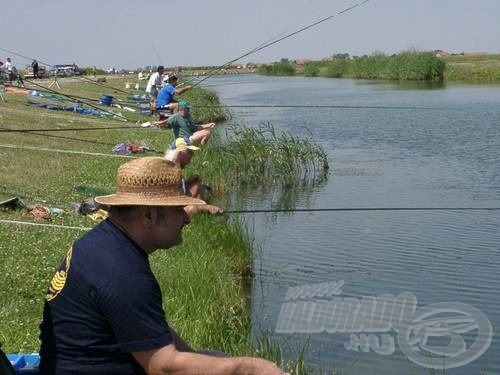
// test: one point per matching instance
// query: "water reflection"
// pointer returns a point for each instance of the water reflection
(383, 158)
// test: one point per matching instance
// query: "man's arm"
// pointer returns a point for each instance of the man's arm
(210, 125)
(168, 360)
(179, 91)
(198, 208)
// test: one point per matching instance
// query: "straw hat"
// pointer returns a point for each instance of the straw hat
(148, 181)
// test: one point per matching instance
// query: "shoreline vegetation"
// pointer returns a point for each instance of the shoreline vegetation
(407, 65)
(206, 280)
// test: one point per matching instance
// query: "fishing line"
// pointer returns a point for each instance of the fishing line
(294, 210)
(319, 106)
(63, 151)
(363, 209)
(4, 130)
(217, 69)
(67, 138)
(42, 225)
(261, 47)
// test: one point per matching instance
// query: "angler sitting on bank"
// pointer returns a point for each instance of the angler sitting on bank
(181, 152)
(183, 126)
(166, 96)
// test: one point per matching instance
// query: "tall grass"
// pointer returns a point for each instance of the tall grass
(407, 65)
(410, 65)
(260, 155)
(282, 68)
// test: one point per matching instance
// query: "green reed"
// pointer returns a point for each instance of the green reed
(259, 155)
(281, 68)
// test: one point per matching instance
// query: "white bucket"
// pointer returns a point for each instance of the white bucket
(127, 85)
(137, 86)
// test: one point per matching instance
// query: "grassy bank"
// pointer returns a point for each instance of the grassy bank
(203, 280)
(484, 68)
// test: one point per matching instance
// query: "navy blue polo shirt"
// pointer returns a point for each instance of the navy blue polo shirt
(102, 304)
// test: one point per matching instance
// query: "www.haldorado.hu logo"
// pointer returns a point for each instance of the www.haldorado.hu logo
(431, 332)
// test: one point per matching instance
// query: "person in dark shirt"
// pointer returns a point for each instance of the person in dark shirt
(34, 65)
(103, 308)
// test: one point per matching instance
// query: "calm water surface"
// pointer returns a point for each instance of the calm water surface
(447, 155)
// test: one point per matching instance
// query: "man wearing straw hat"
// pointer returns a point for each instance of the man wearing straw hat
(103, 311)
(181, 152)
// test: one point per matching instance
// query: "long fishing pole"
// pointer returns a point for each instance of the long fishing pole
(119, 115)
(217, 69)
(5, 130)
(266, 45)
(318, 106)
(256, 211)
(65, 138)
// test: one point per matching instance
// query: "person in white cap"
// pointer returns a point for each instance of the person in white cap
(181, 152)
(103, 309)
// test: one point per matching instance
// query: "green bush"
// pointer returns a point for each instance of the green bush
(337, 68)
(311, 69)
(282, 68)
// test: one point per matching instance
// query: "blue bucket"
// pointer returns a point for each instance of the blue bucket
(106, 100)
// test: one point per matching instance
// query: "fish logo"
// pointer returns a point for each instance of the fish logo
(444, 323)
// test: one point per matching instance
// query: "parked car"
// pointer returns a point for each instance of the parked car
(42, 72)
(67, 70)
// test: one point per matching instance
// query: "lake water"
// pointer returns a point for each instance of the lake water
(443, 150)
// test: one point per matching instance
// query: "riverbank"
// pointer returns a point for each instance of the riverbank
(404, 66)
(203, 280)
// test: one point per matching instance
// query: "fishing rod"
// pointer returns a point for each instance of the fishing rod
(319, 106)
(65, 138)
(54, 67)
(16, 222)
(257, 211)
(119, 115)
(5, 130)
(289, 35)
(217, 69)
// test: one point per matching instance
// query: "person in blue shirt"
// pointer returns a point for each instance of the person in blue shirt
(103, 311)
(166, 96)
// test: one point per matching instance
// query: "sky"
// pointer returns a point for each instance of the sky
(132, 34)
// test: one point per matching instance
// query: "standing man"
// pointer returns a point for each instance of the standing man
(155, 82)
(8, 69)
(34, 65)
(103, 312)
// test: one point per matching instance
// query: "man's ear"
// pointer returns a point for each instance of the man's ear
(147, 216)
